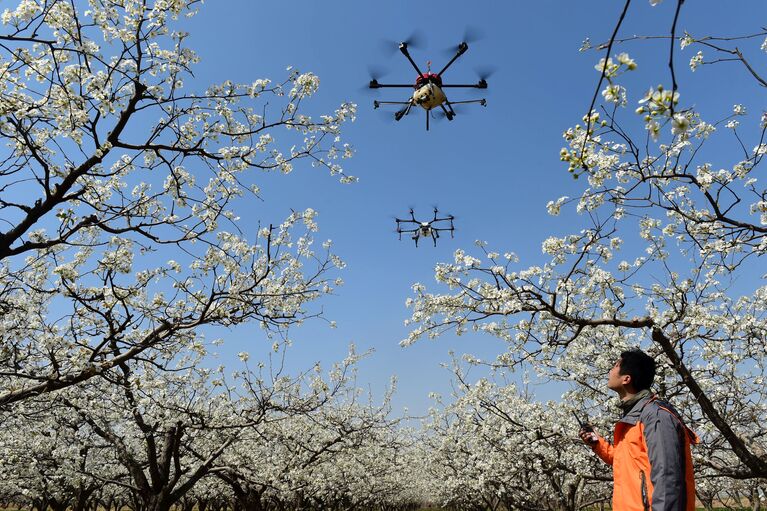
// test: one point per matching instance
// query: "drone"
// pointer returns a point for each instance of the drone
(425, 229)
(429, 93)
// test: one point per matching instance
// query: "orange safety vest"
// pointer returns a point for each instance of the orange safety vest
(633, 474)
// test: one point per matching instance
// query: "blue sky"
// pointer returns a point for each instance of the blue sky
(493, 168)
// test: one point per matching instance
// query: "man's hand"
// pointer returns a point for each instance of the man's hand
(588, 435)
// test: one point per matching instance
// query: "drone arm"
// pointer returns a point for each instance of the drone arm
(461, 50)
(482, 102)
(375, 85)
(403, 49)
(482, 84)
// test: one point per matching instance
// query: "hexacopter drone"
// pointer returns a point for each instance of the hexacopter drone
(425, 229)
(429, 87)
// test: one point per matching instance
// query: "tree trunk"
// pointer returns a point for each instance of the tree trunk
(154, 502)
(755, 464)
(40, 504)
(187, 504)
(59, 505)
(82, 498)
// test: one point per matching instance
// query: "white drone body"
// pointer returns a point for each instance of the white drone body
(429, 96)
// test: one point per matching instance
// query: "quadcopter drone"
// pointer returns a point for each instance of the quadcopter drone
(425, 229)
(429, 93)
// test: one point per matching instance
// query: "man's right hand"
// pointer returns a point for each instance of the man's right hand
(588, 435)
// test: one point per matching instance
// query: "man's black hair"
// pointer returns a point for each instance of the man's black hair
(640, 366)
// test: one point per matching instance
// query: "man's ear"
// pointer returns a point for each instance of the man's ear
(626, 379)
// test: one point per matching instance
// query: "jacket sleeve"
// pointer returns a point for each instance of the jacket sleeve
(665, 449)
(604, 450)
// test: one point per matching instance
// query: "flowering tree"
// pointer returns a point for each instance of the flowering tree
(109, 158)
(386, 471)
(667, 237)
(46, 458)
(288, 456)
(153, 439)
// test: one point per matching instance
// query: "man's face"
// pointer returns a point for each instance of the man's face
(616, 380)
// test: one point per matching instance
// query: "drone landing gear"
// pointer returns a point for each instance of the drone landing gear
(434, 235)
(449, 113)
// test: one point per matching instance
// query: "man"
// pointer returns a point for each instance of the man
(650, 454)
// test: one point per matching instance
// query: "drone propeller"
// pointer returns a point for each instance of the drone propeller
(438, 115)
(415, 40)
(399, 114)
(384, 115)
(485, 72)
(375, 73)
(473, 34)
(470, 35)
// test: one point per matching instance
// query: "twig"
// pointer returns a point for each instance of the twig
(671, 55)
(601, 79)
